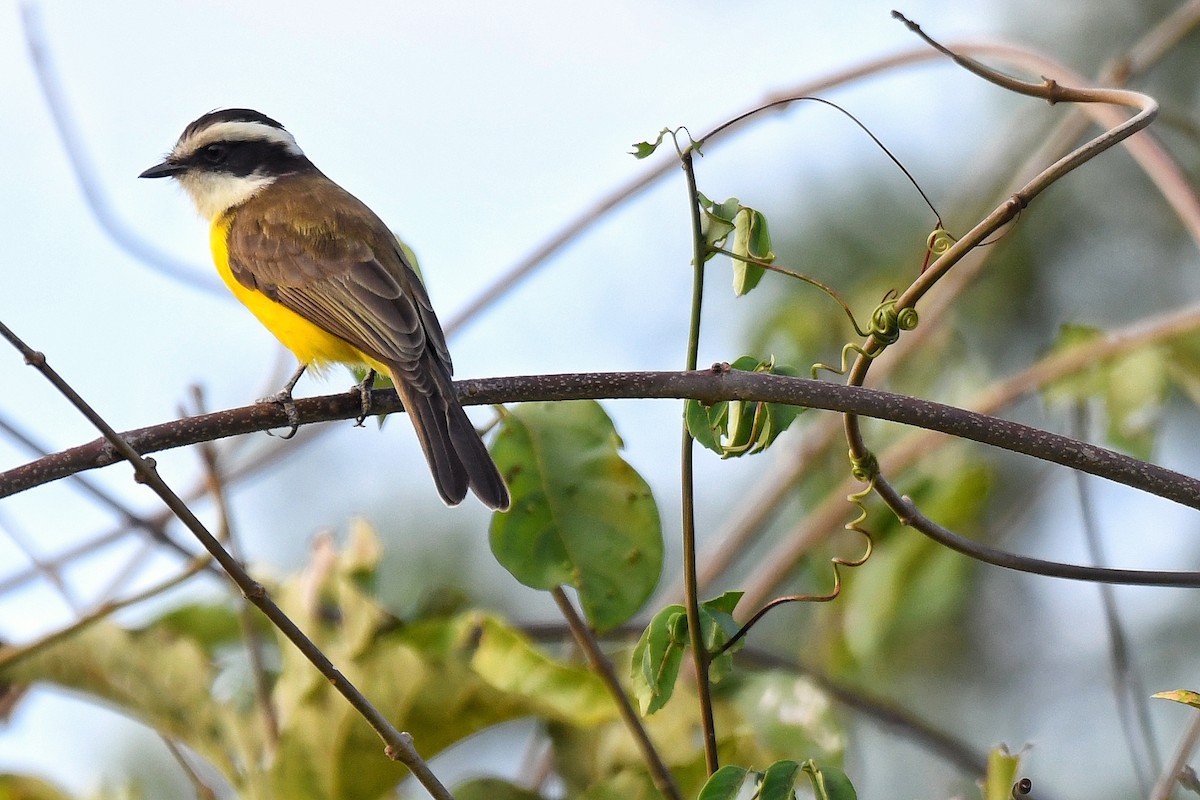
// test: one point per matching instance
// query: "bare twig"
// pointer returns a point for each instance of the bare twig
(203, 790)
(124, 236)
(11, 655)
(47, 569)
(1165, 785)
(604, 669)
(1132, 708)
(250, 634)
(399, 746)
(154, 528)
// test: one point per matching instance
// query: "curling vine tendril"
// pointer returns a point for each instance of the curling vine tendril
(887, 323)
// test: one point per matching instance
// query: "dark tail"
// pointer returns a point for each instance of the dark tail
(457, 456)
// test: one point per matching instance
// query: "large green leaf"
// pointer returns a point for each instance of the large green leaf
(581, 515)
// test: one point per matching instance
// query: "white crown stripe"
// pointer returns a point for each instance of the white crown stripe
(232, 132)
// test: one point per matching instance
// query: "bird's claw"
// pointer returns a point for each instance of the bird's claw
(284, 399)
(364, 398)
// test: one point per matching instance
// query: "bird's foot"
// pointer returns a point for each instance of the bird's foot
(284, 399)
(364, 397)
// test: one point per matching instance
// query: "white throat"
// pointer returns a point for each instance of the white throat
(215, 193)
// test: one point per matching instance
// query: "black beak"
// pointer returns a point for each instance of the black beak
(167, 169)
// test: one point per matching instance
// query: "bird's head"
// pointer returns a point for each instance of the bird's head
(226, 157)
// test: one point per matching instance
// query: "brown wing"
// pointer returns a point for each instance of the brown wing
(323, 254)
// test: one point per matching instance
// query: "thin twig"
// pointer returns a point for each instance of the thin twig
(1132, 708)
(11, 655)
(47, 569)
(203, 790)
(250, 634)
(155, 529)
(1165, 785)
(399, 746)
(691, 599)
(123, 235)
(663, 781)
(125, 574)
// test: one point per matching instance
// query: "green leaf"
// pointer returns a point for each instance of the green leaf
(1001, 774)
(210, 625)
(719, 626)
(644, 149)
(717, 221)
(659, 652)
(155, 675)
(724, 784)
(751, 239)
(736, 428)
(1185, 696)
(706, 423)
(1134, 398)
(580, 515)
(657, 658)
(829, 783)
(779, 781)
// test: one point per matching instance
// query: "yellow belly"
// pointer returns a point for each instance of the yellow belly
(311, 344)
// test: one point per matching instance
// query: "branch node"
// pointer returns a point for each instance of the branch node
(1053, 90)
(151, 464)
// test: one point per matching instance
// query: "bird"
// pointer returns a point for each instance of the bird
(323, 273)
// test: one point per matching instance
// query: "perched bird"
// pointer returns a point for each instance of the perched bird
(324, 274)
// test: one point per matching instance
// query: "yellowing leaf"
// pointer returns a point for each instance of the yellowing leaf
(1185, 696)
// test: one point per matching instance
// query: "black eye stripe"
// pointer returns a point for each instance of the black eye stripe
(242, 157)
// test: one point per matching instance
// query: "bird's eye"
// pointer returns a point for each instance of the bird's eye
(214, 153)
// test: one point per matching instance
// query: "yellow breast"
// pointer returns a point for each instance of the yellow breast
(310, 344)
